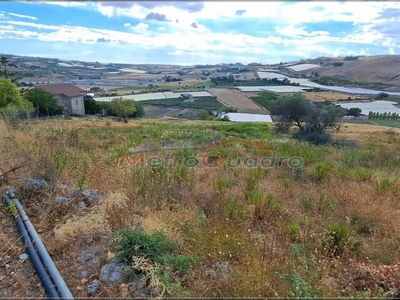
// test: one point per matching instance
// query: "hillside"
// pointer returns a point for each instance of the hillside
(381, 72)
(374, 69)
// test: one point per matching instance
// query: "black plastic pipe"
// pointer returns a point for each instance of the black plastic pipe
(41, 258)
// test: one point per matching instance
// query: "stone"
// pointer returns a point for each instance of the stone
(139, 283)
(93, 287)
(112, 273)
(224, 269)
(88, 255)
(90, 197)
(23, 256)
(62, 200)
(81, 205)
(34, 185)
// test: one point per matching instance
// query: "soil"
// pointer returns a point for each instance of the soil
(18, 278)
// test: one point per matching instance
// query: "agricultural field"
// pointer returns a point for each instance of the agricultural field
(276, 89)
(292, 221)
(239, 100)
(388, 123)
(303, 67)
(379, 106)
(271, 75)
(333, 96)
(209, 103)
(155, 96)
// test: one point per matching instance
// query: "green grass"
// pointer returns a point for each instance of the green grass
(202, 84)
(264, 98)
(389, 123)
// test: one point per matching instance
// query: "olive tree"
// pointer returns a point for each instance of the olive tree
(122, 108)
(313, 119)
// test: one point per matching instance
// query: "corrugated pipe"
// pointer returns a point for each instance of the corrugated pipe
(51, 279)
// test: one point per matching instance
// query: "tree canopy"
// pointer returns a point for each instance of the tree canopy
(42, 100)
(313, 119)
(10, 95)
(122, 108)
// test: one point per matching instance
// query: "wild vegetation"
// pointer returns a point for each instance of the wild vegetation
(322, 228)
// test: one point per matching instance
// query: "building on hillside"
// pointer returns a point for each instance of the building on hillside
(67, 95)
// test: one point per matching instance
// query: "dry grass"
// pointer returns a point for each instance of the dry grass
(275, 245)
(332, 96)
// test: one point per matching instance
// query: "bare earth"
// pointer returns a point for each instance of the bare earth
(239, 100)
(18, 278)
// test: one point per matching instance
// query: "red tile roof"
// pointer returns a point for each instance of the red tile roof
(66, 89)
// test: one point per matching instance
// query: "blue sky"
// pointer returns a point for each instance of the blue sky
(198, 32)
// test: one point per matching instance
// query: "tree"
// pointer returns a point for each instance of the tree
(4, 63)
(9, 94)
(354, 111)
(205, 115)
(382, 96)
(140, 112)
(42, 100)
(12, 104)
(91, 106)
(122, 108)
(313, 119)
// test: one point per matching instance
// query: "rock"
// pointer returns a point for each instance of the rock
(93, 287)
(112, 273)
(23, 256)
(147, 291)
(224, 269)
(89, 255)
(83, 274)
(62, 200)
(34, 185)
(139, 283)
(81, 205)
(90, 197)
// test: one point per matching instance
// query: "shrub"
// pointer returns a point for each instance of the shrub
(137, 243)
(336, 239)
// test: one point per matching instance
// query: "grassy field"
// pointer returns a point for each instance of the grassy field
(189, 84)
(388, 123)
(258, 215)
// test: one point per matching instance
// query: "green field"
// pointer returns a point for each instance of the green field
(209, 103)
(389, 123)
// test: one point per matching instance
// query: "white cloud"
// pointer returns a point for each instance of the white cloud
(22, 16)
(127, 24)
(68, 4)
(293, 31)
(140, 27)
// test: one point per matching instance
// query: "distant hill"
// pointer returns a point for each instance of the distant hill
(367, 71)
(374, 69)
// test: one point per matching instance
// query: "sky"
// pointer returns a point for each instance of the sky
(196, 32)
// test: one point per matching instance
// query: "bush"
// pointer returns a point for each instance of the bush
(317, 138)
(138, 243)
(336, 239)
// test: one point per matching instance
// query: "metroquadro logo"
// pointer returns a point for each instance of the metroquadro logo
(233, 153)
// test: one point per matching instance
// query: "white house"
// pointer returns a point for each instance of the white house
(67, 95)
